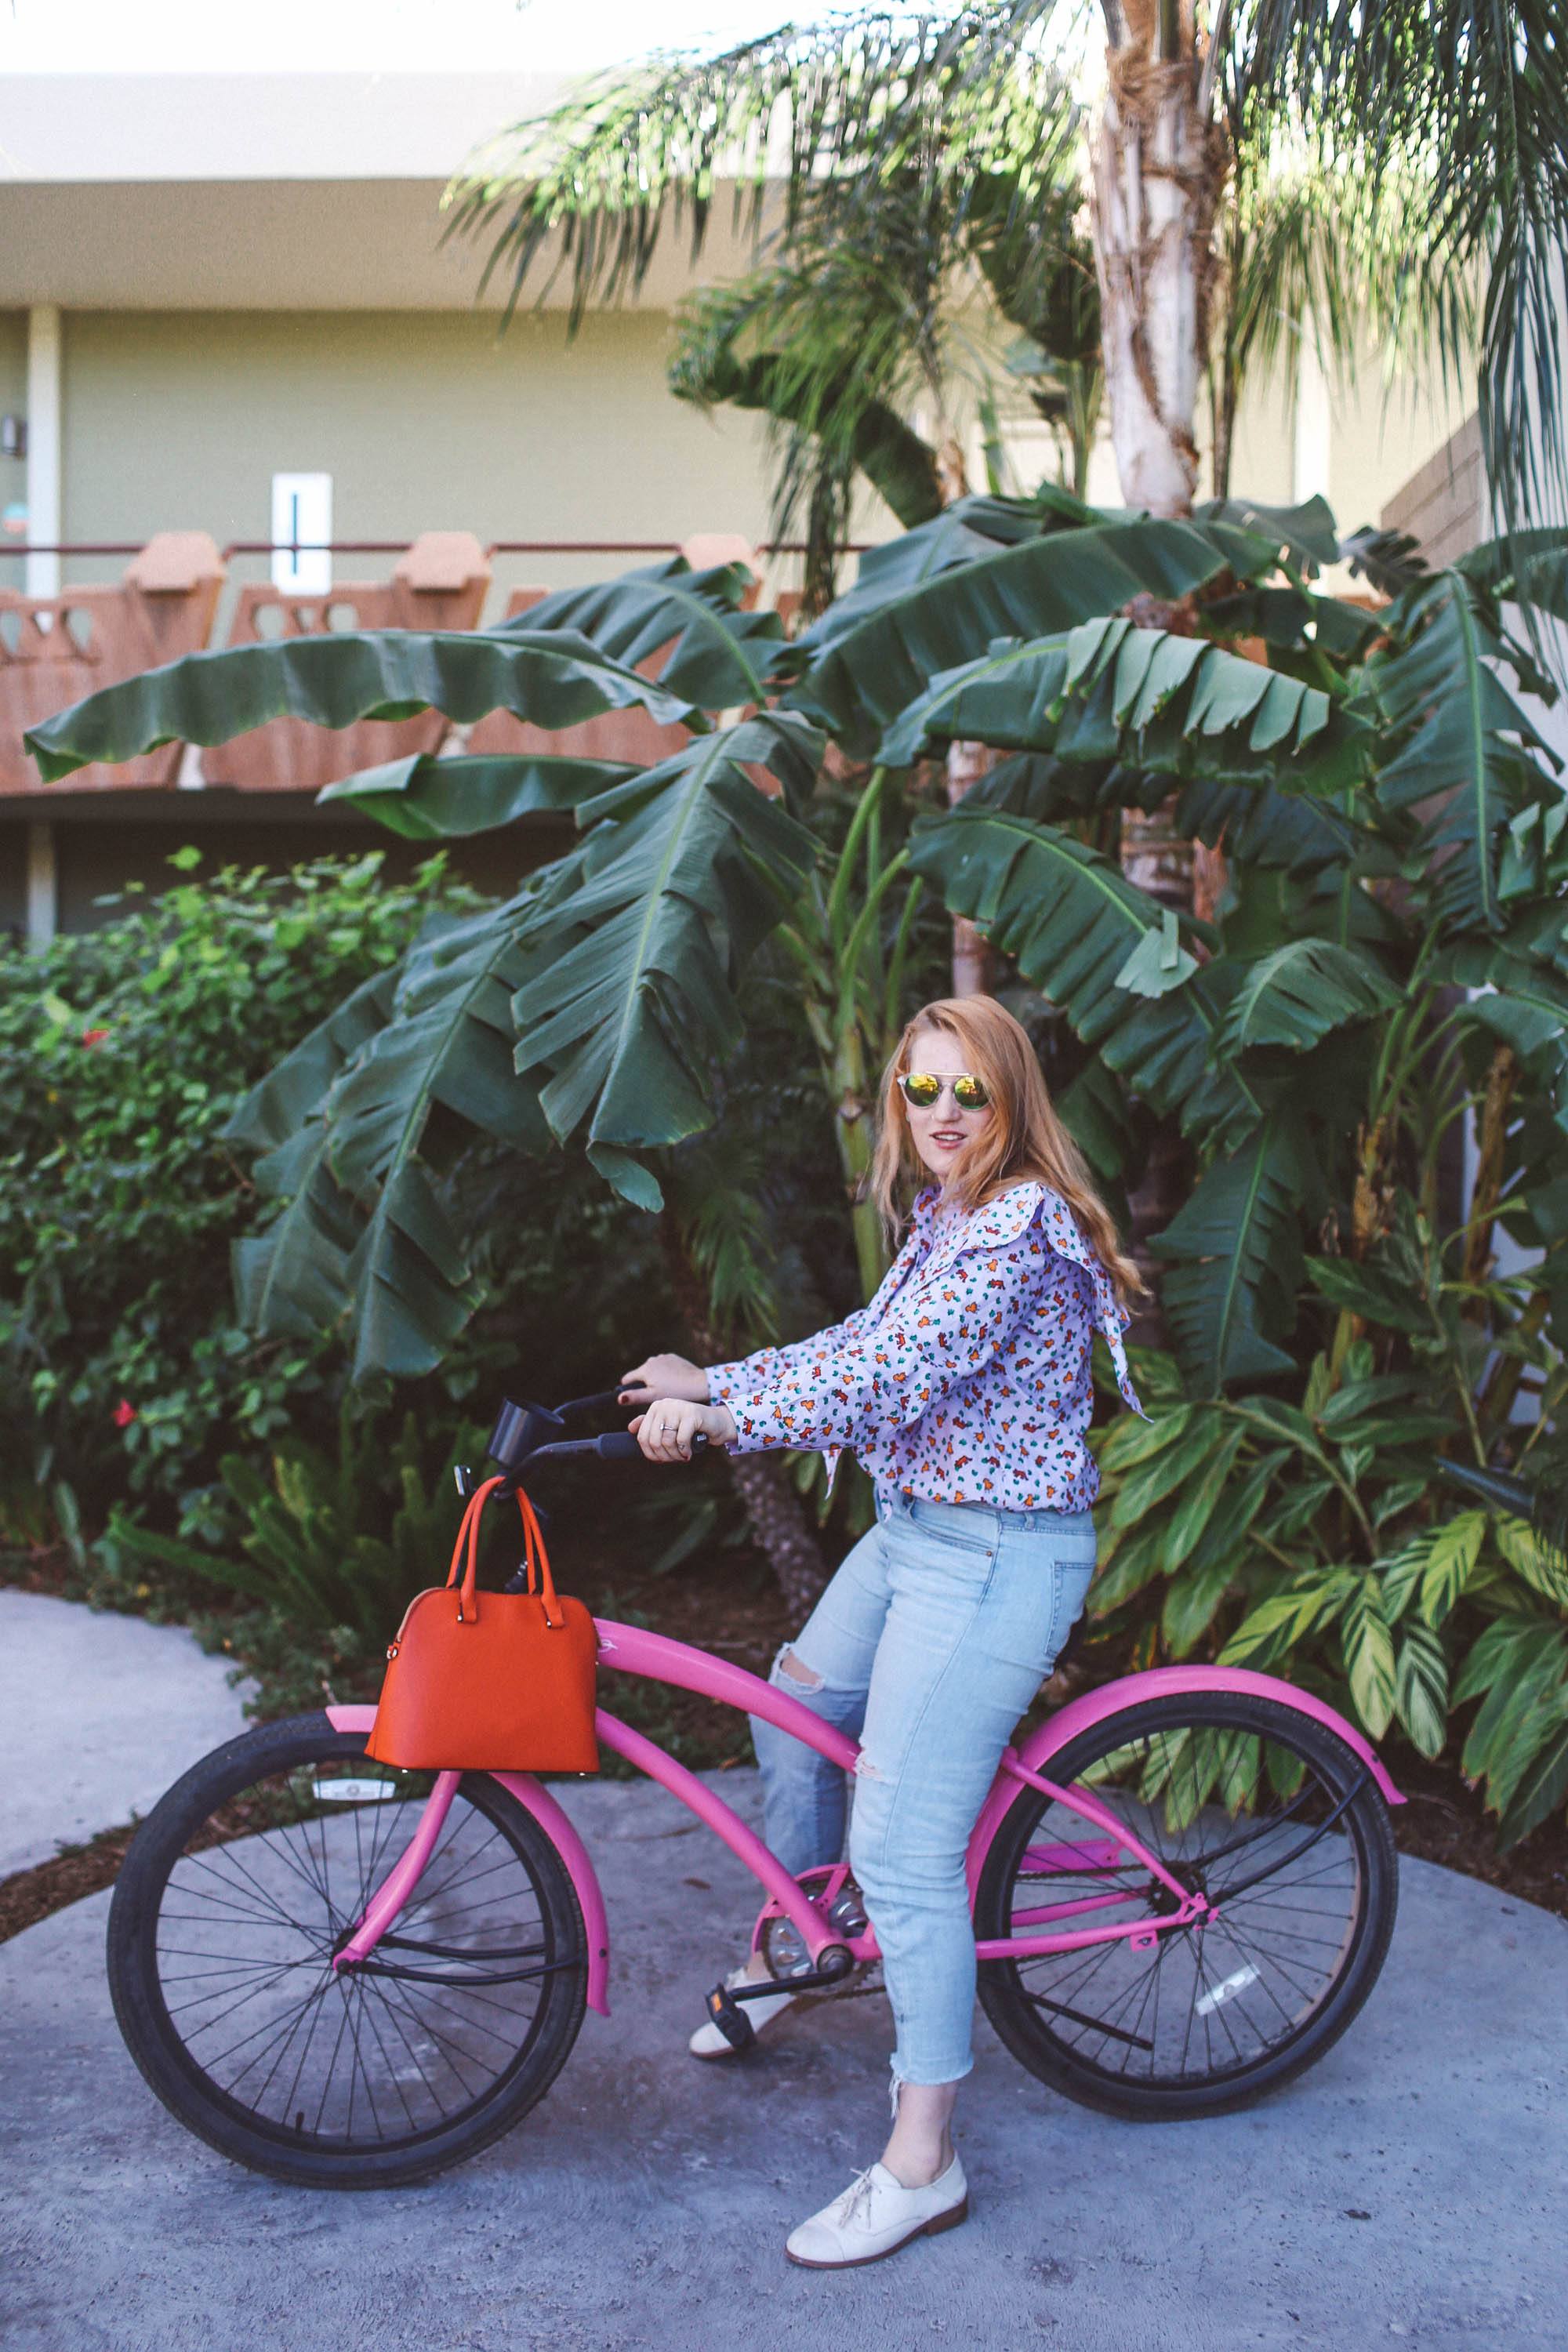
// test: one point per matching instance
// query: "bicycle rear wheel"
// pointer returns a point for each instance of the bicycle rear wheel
(238, 1888)
(1266, 1812)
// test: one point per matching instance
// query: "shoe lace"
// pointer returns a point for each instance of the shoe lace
(853, 2203)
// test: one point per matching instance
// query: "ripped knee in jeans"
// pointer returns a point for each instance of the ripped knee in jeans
(789, 1668)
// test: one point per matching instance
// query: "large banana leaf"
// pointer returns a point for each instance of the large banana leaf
(1296, 619)
(1533, 565)
(554, 678)
(1306, 535)
(1109, 955)
(1295, 996)
(1234, 1255)
(861, 678)
(625, 992)
(720, 655)
(1258, 825)
(1261, 826)
(425, 799)
(1453, 714)
(962, 533)
(1516, 998)
(1168, 704)
(363, 1232)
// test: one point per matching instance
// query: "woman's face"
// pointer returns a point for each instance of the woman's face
(942, 1131)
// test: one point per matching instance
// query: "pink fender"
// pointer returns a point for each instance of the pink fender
(558, 1829)
(1131, 1690)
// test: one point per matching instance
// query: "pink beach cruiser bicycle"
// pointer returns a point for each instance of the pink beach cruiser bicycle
(348, 1976)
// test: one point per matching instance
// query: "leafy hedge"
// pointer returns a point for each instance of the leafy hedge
(186, 1459)
(123, 1053)
(1346, 1536)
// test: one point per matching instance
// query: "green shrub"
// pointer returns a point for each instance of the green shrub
(129, 1392)
(336, 1541)
(1325, 1536)
(122, 1053)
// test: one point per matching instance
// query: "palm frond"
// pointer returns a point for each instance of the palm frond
(644, 151)
(1473, 99)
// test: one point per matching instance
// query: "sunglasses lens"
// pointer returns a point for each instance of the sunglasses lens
(923, 1089)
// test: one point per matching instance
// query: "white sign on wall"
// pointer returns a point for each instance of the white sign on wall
(301, 528)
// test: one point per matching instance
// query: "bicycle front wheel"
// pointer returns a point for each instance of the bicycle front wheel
(237, 1890)
(1264, 1811)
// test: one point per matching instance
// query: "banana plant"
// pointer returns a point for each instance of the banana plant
(1390, 814)
(1307, 1536)
(851, 974)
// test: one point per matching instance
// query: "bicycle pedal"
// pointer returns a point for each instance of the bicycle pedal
(729, 2018)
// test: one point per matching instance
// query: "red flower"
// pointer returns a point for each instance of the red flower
(124, 1413)
(93, 1036)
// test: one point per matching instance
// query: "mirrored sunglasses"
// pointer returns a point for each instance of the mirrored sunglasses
(922, 1087)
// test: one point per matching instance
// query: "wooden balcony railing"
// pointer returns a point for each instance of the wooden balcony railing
(55, 650)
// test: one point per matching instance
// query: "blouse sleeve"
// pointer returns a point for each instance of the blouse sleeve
(946, 1324)
(766, 1366)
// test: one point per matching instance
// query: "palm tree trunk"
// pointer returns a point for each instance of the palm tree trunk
(1159, 167)
(974, 961)
(780, 1525)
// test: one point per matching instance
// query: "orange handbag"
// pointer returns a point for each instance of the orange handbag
(497, 1682)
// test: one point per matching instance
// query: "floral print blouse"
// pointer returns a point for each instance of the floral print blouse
(967, 1379)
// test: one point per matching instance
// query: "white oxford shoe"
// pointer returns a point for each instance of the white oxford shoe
(875, 2216)
(708, 2042)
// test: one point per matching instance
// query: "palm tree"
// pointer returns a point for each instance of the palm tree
(1236, 193)
(864, 314)
(1251, 170)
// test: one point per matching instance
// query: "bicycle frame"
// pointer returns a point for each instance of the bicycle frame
(631, 1649)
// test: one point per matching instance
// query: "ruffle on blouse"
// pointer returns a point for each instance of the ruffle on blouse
(997, 1223)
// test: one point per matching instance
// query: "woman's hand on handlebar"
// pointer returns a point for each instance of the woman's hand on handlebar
(664, 1376)
(665, 1430)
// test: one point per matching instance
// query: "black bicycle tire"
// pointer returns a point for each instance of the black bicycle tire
(156, 2046)
(1019, 2022)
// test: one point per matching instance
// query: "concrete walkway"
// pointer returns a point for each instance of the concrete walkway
(1407, 2192)
(98, 1714)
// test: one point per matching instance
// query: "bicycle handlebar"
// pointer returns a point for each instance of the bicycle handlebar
(523, 1434)
(615, 1445)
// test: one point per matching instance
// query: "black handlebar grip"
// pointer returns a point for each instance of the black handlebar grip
(620, 1445)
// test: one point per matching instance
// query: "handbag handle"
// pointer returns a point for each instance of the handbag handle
(537, 1559)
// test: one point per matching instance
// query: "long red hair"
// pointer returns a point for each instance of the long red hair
(1025, 1141)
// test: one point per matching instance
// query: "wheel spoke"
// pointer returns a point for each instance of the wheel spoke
(1211, 1795)
(258, 1895)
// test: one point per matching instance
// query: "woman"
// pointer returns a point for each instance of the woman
(965, 1389)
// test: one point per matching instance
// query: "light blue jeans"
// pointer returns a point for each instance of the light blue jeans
(928, 1646)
